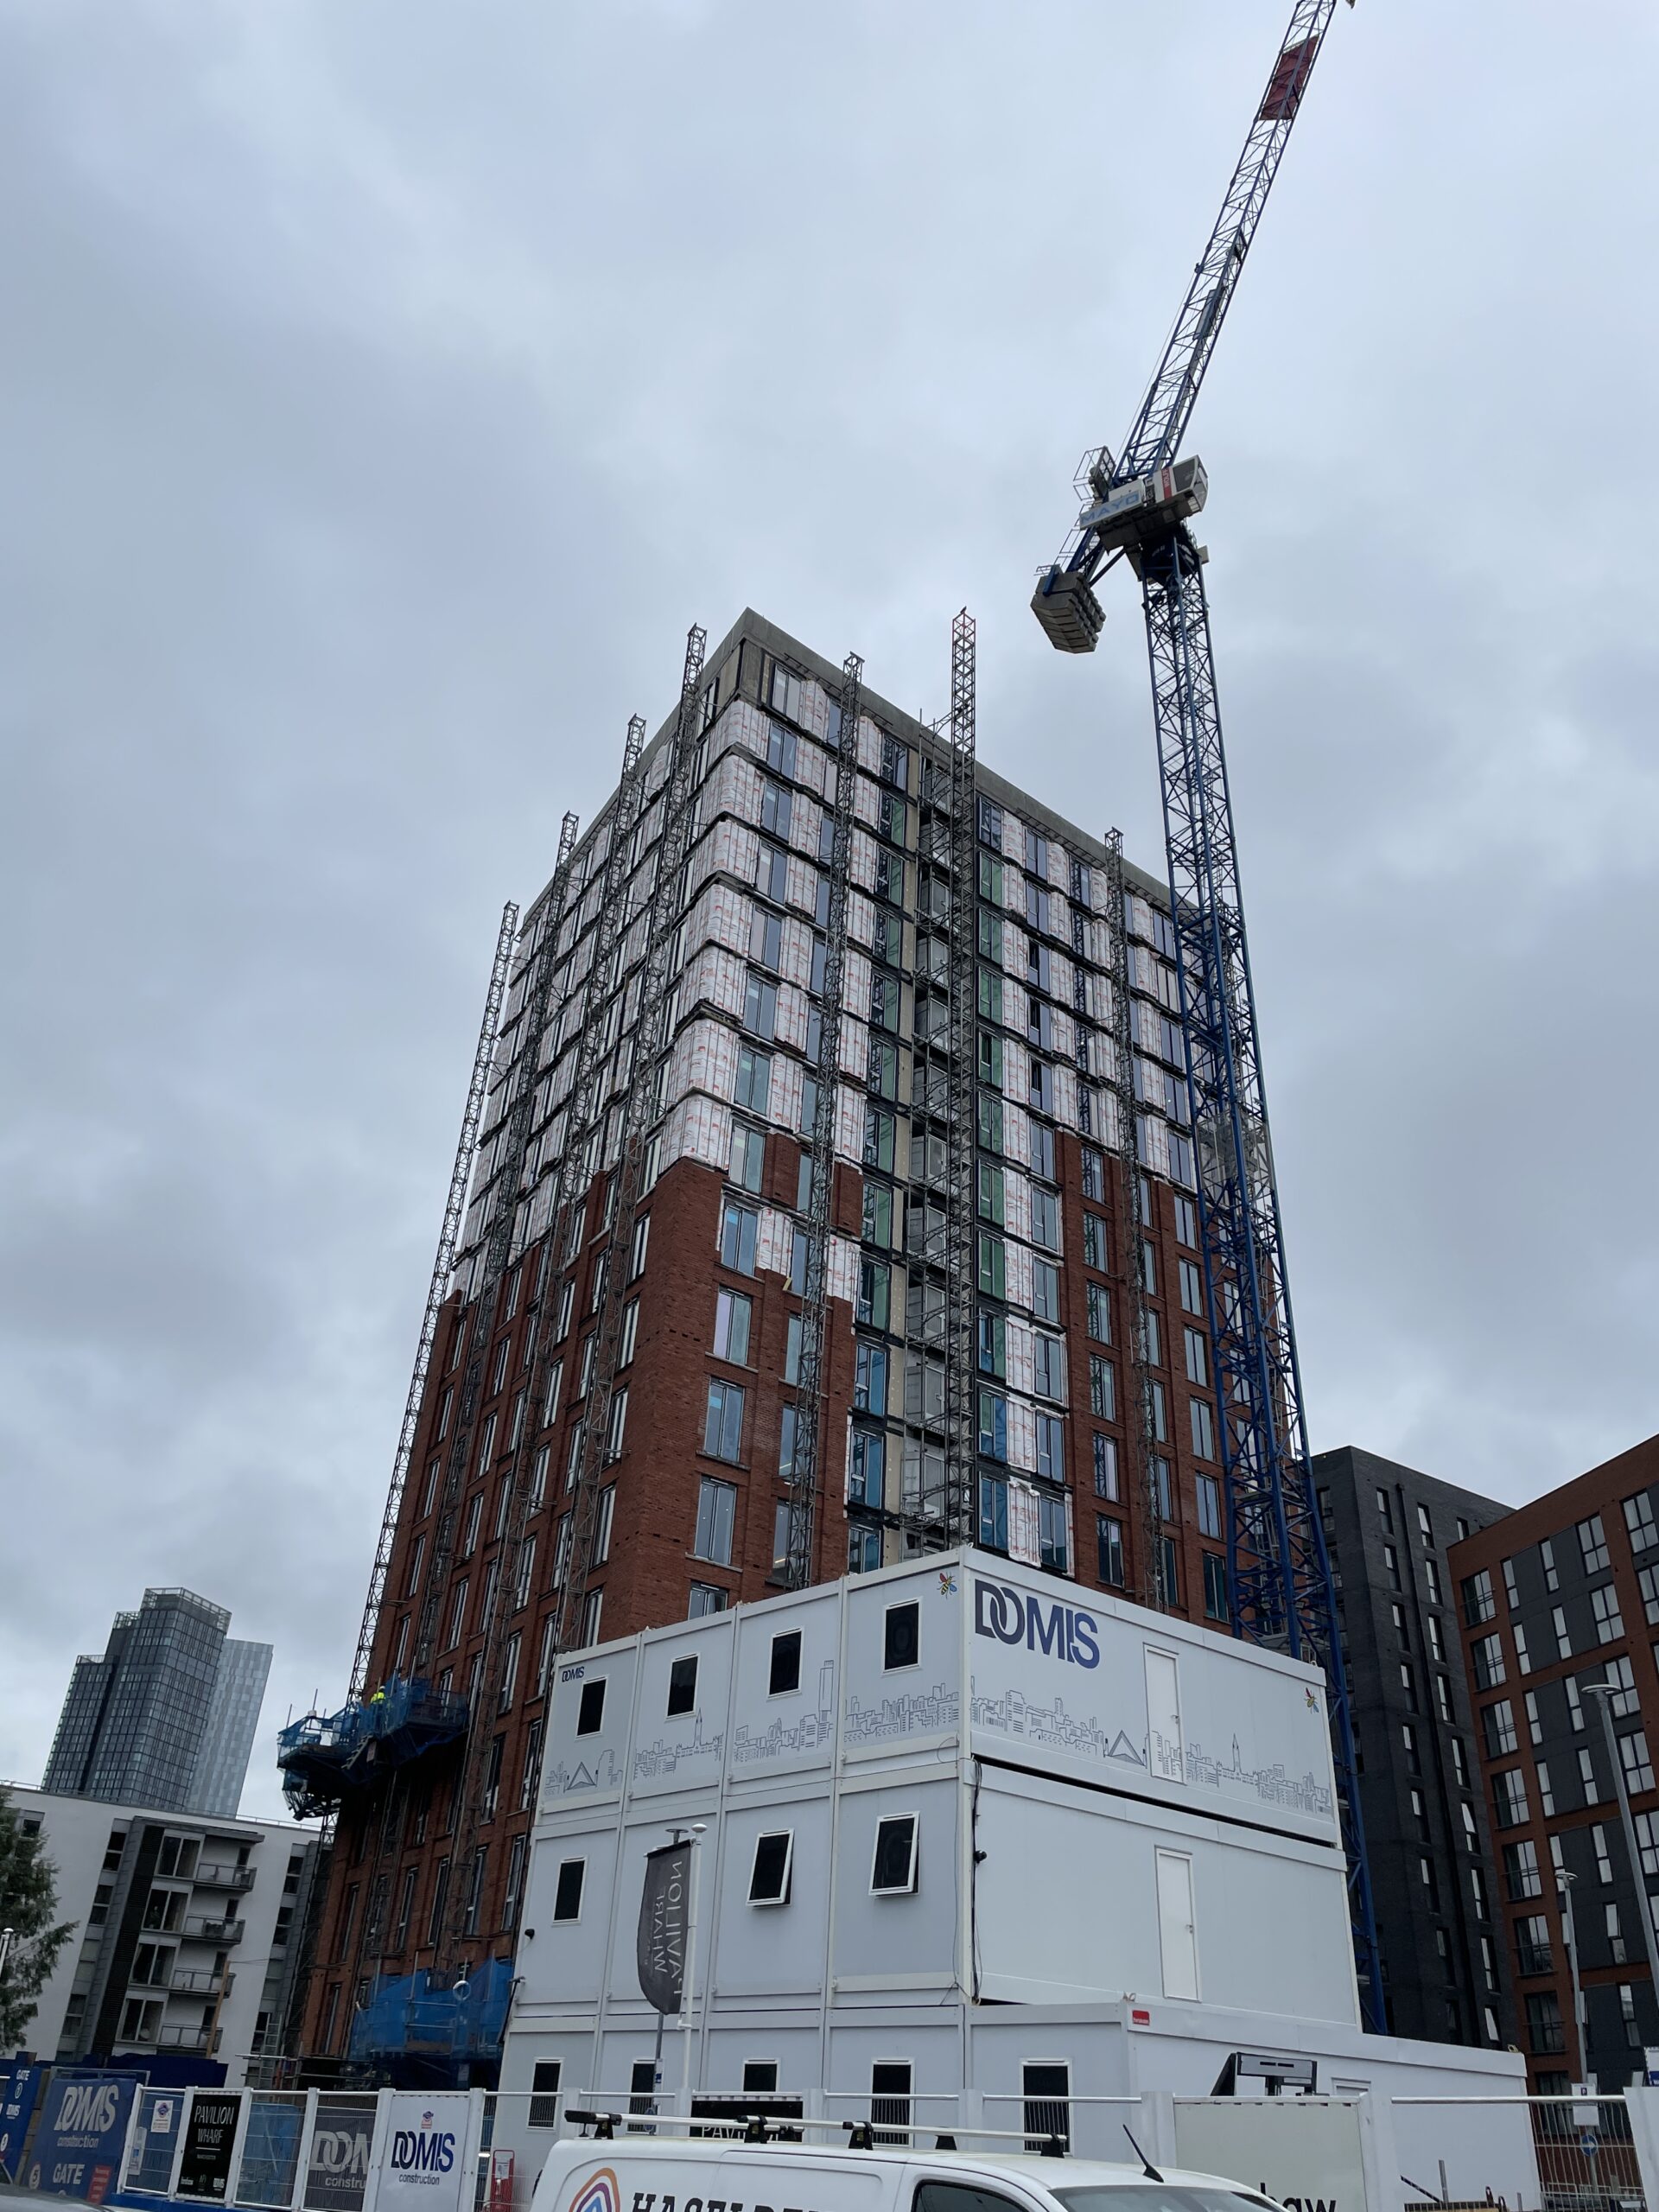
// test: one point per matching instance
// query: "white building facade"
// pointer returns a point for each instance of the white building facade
(187, 1931)
(967, 1842)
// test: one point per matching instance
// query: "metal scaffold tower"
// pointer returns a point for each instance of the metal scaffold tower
(640, 1071)
(961, 1456)
(806, 1471)
(1137, 507)
(1139, 1421)
(437, 1292)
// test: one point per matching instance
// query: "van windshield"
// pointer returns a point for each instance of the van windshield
(1160, 2196)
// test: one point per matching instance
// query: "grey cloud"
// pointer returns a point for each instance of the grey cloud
(388, 387)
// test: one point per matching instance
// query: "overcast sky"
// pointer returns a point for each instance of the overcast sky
(387, 386)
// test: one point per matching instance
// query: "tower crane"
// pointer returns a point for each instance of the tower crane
(1138, 506)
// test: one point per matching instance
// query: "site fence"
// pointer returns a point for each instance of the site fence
(483, 2151)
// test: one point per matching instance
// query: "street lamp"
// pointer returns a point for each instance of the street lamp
(1564, 1882)
(8, 1937)
(1604, 1694)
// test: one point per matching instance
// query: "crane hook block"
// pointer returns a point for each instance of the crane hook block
(1065, 605)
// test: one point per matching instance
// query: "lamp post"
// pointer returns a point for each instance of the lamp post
(1604, 1694)
(1564, 1882)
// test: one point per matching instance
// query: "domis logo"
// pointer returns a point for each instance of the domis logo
(428, 2151)
(88, 2108)
(1014, 1616)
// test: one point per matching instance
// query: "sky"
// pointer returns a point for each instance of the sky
(388, 386)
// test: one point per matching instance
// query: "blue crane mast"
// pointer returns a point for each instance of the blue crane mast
(1137, 506)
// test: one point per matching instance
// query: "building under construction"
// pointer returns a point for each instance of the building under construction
(825, 1196)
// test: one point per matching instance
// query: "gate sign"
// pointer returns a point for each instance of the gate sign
(342, 2144)
(209, 2139)
(425, 2162)
(18, 2093)
(83, 2134)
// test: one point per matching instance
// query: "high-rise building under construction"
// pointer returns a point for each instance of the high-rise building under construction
(826, 1196)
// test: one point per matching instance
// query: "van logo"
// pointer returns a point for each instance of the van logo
(1013, 1616)
(598, 2193)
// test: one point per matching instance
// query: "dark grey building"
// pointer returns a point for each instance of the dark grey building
(1388, 1528)
(166, 1717)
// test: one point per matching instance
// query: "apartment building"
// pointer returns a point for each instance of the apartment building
(1559, 1612)
(1389, 1530)
(166, 1715)
(1082, 1373)
(187, 1950)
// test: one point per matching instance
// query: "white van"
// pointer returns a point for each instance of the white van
(661, 2173)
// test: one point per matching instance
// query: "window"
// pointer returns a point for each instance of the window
(567, 1895)
(590, 1714)
(1109, 1546)
(1633, 1757)
(706, 1597)
(1053, 1540)
(1094, 1241)
(1103, 1391)
(1498, 1726)
(780, 1536)
(1509, 1798)
(732, 1315)
(878, 1215)
(1051, 1451)
(1488, 1653)
(544, 2083)
(1160, 1412)
(890, 2109)
(1203, 1427)
(1552, 1573)
(769, 1871)
(992, 1344)
(893, 1871)
(681, 1686)
(993, 1266)
(1045, 1290)
(1191, 1287)
(1045, 1220)
(874, 1293)
(754, 1089)
(740, 1228)
(1609, 1622)
(722, 1424)
(1105, 1457)
(902, 1637)
(993, 1425)
(785, 1672)
(1046, 2095)
(748, 1156)
(1186, 1216)
(1545, 2034)
(1048, 1366)
(1521, 1873)
(993, 1513)
(788, 1421)
(716, 1514)
(1647, 1579)
(1479, 1603)
(1209, 1494)
(870, 1377)
(1099, 1312)
(1215, 1587)
(1593, 1543)
(992, 1202)
(1639, 1520)
(867, 1473)
(1197, 1360)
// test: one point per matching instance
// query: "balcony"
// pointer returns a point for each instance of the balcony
(1534, 1958)
(214, 1931)
(217, 1876)
(206, 1983)
(199, 2039)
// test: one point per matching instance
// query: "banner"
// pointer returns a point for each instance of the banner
(209, 2139)
(424, 2162)
(17, 2100)
(83, 2134)
(665, 1906)
(342, 2144)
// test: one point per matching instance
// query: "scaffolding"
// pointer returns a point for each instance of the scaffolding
(805, 1471)
(961, 1464)
(640, 1069)
(1138, 1416)
(437, 1290)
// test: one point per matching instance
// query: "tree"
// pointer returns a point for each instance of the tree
(29, 1897)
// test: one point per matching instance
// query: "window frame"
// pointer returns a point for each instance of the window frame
(884, 1822)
